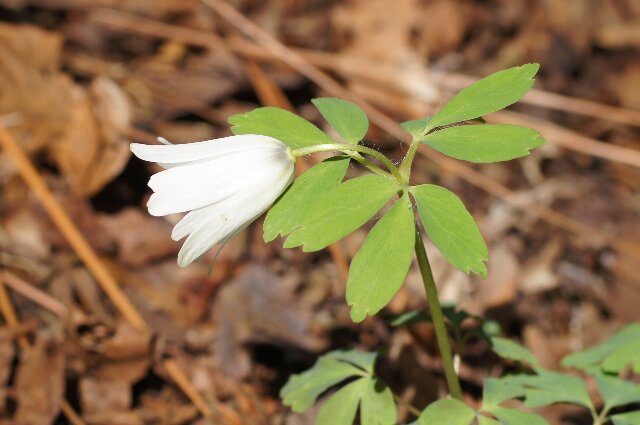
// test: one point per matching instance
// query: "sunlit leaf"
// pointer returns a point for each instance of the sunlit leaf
(342, 406)
(617, 392)
(302, 390)
(629, 418)
(362, 359)
(490, 94)
(288, 212)
(548, 387)
(379, 268)
(484, 143)
(496, 391)
(451, 228)
(612, 355)
(289, 128)
(508, 416)
(415, 127)
(511, 350)
(447, 412)
(377, 406)
(342, 210)
(346, 118)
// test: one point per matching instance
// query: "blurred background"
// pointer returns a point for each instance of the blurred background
(100, 326)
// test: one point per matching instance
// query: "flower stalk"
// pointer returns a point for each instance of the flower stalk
(354, 151)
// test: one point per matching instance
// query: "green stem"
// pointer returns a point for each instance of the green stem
(349, 149)
(405, 167)
(438, 320)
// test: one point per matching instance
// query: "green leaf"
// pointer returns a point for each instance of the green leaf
(299, 200)
(346, 118)
(629, 418)
(617, 392)
(342, 210)
(361, 359)
(490, 94)
(508, 349)
(447, 412)
(342, 406)
(551, 387)
(496, 391)
(612, 355)
(289, 128)
(508, 416)
(483, 420)
(379, 268)
(451, 228)
(377, 406)
(415, 127)
(484, 143)
(301, 391)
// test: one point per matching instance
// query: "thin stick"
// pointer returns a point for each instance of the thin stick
(71, 414)
(437, 318)
(181, 380)
(10, 315)
(34, 294)
(70, 231)
(11, 318)
(410, 407)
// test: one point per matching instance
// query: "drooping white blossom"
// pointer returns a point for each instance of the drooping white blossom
(225, 184)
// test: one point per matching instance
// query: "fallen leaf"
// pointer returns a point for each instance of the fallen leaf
(40, 382)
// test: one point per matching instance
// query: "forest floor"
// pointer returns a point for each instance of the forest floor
(102, 327)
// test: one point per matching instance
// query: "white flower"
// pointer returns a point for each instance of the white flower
(225, 184)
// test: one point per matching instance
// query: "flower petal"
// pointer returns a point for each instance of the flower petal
(218, 222)
(187, 152)
(192, 186)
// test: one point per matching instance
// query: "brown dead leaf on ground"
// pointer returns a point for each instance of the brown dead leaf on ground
(258, 307)
(40, 382)
(7, 352)
(81, 129)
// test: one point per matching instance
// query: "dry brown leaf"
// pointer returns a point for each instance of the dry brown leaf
(501, 285)
(7, 351)
(258, 307)
(81, 129)
(31, 86)
(40, 382)
(139, 237)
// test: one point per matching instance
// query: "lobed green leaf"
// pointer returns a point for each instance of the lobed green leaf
(379, 268)
(490, 94)
(612, 355)
(629, 418)
(508, 416)
(301, 391)
(300, 199)
(289, 128)
(496, 391)
(340, 211)
(484, 143)
(552, 387)
(447, 412)
(415, 127)
(346, 118)
(341, 407)
(451, 228)
(508, 349)
(377, 406)
(616, 392)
